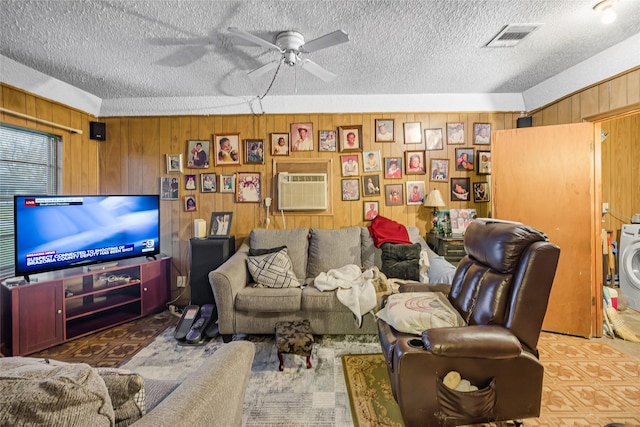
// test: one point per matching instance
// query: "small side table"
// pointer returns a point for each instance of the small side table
(450, 247)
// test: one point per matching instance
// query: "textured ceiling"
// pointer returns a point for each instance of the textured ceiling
(167, 48)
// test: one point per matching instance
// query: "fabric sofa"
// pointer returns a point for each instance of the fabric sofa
(245, 308)
(38, 392)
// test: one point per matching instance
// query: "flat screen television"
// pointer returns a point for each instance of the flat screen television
(56, 232)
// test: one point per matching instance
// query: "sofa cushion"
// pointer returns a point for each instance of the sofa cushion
(272, 270)
(401, 261)
(254, 252)
(314, 299)
(127, 392)
(268, 300)
(331, 249)
(296, 240)
(414, 312)
(33, 392)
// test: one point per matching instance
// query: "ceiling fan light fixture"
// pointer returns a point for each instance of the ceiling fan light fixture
(605, 8)
(290, 58)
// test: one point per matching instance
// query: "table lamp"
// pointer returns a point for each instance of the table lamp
(434, 200)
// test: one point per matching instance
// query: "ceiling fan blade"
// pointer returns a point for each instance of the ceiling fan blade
(325, 41)
(253, 39)
(317, 70)
(264, 68)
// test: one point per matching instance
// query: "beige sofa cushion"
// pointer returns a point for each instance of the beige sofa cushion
(268, 300)
(33, 392)
(296, 240)
(330, 249)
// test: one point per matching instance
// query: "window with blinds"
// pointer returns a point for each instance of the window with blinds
(29, 164)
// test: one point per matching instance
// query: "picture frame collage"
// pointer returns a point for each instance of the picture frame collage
(362, 171)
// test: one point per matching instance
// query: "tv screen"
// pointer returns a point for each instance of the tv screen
(55, 232)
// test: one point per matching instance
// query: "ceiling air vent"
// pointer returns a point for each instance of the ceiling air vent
(512, 34)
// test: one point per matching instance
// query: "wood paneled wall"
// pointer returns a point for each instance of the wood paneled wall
(79, 153)
(621, 148)
(133, 159)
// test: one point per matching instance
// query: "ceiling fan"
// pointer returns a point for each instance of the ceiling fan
(292, 46)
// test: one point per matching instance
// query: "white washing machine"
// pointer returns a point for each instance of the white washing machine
(629, 267)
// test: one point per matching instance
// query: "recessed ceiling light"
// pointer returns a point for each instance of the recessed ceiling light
(605, 7)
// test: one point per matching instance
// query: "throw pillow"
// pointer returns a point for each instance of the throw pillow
(296, 240)
(127, 393)
(415, 312)
(272, 270)
(401, 261)
(34, 392)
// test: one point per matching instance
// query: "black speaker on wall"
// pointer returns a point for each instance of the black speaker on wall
(98, 131)
(524, 122)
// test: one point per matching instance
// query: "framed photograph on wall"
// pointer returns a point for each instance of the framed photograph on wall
(228, 183)
(279, 144)
(394, 195)
(371, 185)
(351, 189)
(198, 154)
(384, 130)
(415, 192)
(460, 189)
(481, 192)
(455, 133)
(464, 159)
(412, 133)
(248, 187)
(190, 182)
(440, 170)
(393, 167)
(190, 204)
(169, 188)
(328, 140)
(433, 139)
(302, 136)
(482, 133)
(371, 161)
(414, 163)
(350, 165)
(254, 151)
(227, 149)
(350, 138)
(207, 182)
(220, 225)
(370, 210)
(174, 163)
(484, 162)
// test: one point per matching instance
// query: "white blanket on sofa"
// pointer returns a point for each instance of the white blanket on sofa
(354, 288)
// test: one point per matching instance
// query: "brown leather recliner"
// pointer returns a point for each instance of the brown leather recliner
(501, 289)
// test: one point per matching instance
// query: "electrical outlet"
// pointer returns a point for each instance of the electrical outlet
(182, 282)
(605, 208)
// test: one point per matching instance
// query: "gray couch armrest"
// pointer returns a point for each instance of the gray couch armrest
(212, 396)
(226, 281)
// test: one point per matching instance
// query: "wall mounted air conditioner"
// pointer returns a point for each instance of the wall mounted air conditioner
(302, 191)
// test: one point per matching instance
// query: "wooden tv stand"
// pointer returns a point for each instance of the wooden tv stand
(62, 305)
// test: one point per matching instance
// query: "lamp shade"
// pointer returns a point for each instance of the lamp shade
(434, 199)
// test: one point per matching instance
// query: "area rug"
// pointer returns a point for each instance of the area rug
(370, 396)
(114, 346)
(587, 382)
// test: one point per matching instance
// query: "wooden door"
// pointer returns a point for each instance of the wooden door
(549, 177)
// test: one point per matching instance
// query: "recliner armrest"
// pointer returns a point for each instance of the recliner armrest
(485, 342)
